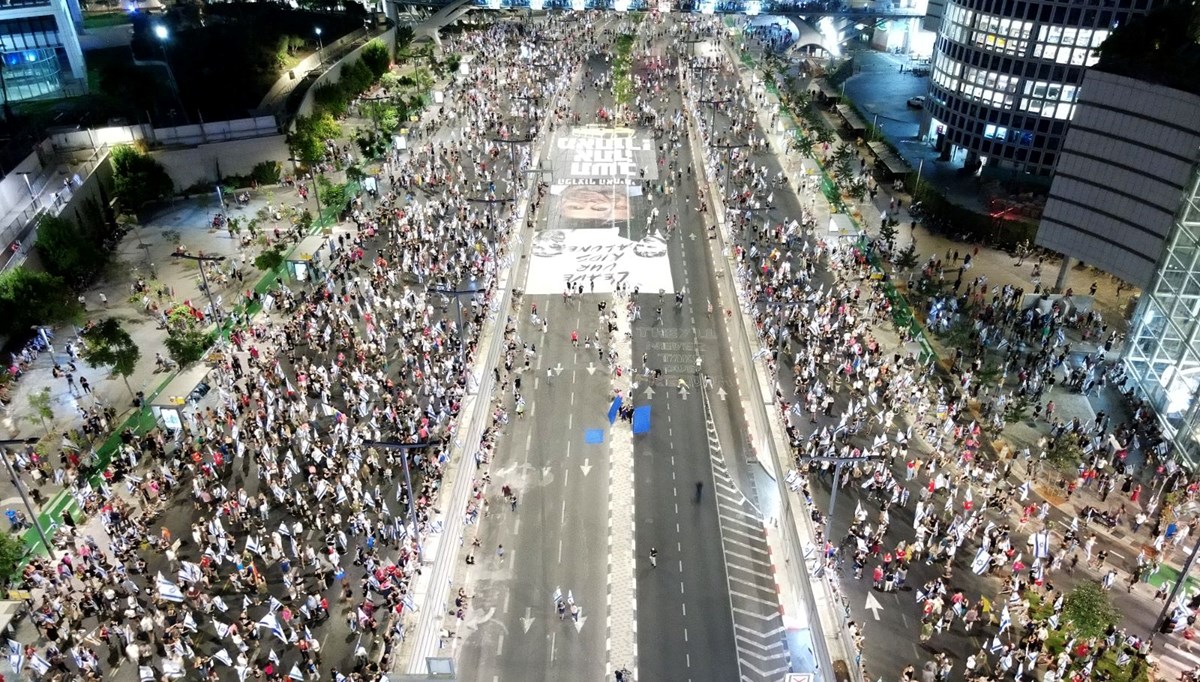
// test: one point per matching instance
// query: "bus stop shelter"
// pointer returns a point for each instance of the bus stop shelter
(888, 161)
(184, 391)
(309, 258)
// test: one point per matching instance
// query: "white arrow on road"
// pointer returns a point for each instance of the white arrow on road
(873, 605)
(527, 621)
(558, 369)
(545, 471)
(579, 623)
(649, 392)
(683, 391)
(692, 236)
(721, 393)
(591, 368)
(586, 467)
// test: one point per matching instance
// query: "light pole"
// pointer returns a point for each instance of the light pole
(412, 498)
(838, 463)
(462, 342)
(200, 260)
(712, 121)
(320, 46)
(728, 159)
(163, 34)
(12, 473)
(316, 192)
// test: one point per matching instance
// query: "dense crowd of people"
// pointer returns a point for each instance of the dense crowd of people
(301, 510)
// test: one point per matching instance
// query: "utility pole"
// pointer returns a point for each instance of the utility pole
(412, 498)
(471, 290)
(728, 159)
(12, 474)
(705, 70)
(712, 121)
(200, 260)
(838, 463)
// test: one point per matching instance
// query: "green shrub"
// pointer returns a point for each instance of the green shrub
(267, 172)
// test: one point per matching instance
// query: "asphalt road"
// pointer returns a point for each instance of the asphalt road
(709, 610)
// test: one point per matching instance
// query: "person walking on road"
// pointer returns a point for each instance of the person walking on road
(653, 558)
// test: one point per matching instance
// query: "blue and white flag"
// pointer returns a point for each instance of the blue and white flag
(172, 669)
(1075, 524)
(223, 656)
(295, 674)
(982, 560)
(168, 590)
(271, 623)
(1041, 545)
(1052, 621)
(189, 623)
(1005, 620)
(222, 629)
(1025, 491)
(146, 673)
(996, 646)
(273, 657)
(40, 665)
(16, 656)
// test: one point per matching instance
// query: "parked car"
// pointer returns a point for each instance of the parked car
(916, 102)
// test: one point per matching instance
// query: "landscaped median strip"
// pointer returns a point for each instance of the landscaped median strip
(142, 420)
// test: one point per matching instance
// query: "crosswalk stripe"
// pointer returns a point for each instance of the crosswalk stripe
(759, 645)
(757, 616)
(756, 528)
(765, 602)
(751, 559)
(750, 585)
(764, 635)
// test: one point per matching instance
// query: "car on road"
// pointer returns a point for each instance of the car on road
(916, 102)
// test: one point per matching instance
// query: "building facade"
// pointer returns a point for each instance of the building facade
(1162, 354)
(1126, 161)
(39, 46)
(1006, 75)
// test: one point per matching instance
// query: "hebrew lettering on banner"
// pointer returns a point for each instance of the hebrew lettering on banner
(597, 232)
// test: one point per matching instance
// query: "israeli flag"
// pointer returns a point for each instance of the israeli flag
(220, 604)
(146, 673)
(16, 656)
(1052, 621)
(1041, 545)
(1075, 524)
(1005, 620)
(1025, 491)
(168, 590)
(284, 531)
(295, 674)
(189, 623)
(223, 656)
(982, 560)
(273, 657)
(1058, 603)
(40, 665)
(996, 646)
(222, 629)
(172, 669)
(271, 623)
(252, 545)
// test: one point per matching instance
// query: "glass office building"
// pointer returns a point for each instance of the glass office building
(1163, 351)
(39, 46)
(1006, 75)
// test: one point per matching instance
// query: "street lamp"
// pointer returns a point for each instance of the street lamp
(12, 473)
(412, 499)
(316, 192)
(201, 259)
(163, 34)
(320, 46)
(470, 290)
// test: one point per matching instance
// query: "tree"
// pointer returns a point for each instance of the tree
(269, 260)
(375, 57)
(12, 551)
(1088, 612)
(907, 259)
(137, 178)
(32, 297)
(188, 345)
(108, 344)
(307, 140)
(40, 401)
(887, 234)
(67, 251)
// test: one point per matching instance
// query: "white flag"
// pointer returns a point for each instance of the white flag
(223, 656)
(168, 590)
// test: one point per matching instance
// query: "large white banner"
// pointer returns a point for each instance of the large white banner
(598, 233)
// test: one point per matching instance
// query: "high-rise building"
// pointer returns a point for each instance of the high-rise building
(1006, 75)
(39, 46)
(1126, 199)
